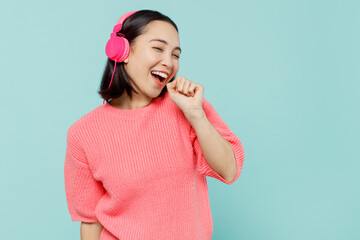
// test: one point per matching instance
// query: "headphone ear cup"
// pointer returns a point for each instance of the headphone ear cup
(117, 48)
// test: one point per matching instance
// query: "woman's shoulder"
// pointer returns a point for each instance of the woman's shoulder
(86, 120)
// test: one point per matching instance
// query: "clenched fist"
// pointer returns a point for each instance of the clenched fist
(187, 95)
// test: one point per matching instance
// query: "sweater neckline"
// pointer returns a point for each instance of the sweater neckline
(131, 113)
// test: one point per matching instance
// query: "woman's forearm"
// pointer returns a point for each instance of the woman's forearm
(90, 231)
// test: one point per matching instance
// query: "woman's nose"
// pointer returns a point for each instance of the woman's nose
(167, 61)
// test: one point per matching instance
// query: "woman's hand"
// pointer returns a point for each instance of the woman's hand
(187, 95)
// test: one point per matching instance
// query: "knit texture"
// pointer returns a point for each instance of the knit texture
(141, 173)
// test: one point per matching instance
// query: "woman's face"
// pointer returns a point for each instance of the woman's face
(156, 50)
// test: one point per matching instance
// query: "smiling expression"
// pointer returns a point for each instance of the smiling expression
(154, 55)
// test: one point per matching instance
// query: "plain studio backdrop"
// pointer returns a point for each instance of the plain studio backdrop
(284, 76)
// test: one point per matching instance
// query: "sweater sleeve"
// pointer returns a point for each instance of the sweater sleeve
(202, 165)
(82, 190)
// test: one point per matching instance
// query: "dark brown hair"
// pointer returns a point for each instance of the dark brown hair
(133, 26)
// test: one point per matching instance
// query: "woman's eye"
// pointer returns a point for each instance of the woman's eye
(161, 50)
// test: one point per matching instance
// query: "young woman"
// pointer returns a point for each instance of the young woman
(136, 166)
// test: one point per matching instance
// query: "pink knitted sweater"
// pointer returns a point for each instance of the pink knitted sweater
(141, 172)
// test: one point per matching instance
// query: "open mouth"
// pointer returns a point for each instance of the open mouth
(160, 76)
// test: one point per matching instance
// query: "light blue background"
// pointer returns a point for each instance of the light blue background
(284, 76)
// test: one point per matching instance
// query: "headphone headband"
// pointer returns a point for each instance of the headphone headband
(124, 17)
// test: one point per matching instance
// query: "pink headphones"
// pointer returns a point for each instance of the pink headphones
(117, 47)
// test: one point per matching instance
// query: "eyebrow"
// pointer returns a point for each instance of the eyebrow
(165, 42)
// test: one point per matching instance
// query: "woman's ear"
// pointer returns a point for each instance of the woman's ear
(128, 55)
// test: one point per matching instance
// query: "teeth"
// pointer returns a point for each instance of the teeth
(163, 75)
